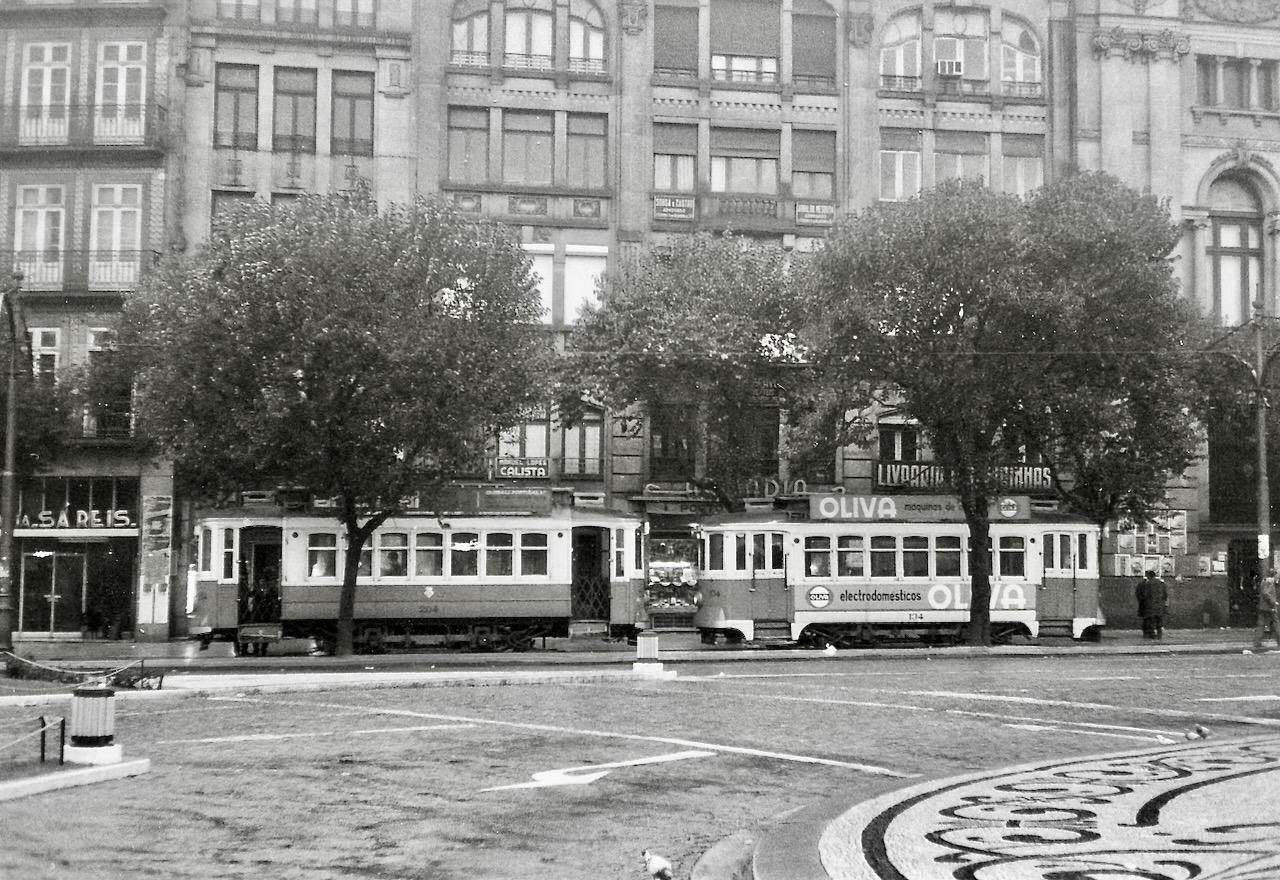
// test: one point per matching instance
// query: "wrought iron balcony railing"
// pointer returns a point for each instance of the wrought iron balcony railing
(88, 270)
(45, 126)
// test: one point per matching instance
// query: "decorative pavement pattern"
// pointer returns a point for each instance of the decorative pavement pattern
(1209, 809)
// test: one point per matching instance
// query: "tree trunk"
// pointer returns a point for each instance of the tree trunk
(979, 522)
(356, 535)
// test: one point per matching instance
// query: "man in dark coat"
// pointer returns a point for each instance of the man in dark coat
(1152, 596)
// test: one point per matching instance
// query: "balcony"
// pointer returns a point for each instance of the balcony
(901, 83)
(107, 421)
(954, 86)
(1022, 89)
(88, 271)
(469, 58)
(744, 210)
(44, 126)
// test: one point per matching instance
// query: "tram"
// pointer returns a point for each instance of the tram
(857, 570)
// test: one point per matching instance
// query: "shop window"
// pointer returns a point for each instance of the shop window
(1019, 61)
(534, 554)
(526, 148)
(813, 45)
(586, 37)
(470, 33)
(468, 145)
(352, 130)
(745, 40)
(428, 554)
(236, 107)
(322, 555)
(295, 111)
(813, 162)
(900, 54)
(586, 142)
(529, 41)
(675, 41)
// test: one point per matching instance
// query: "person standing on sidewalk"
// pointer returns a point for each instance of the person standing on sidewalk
(1152, 595)
(1268, 610)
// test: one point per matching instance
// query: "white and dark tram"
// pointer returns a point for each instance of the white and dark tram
(857, 570)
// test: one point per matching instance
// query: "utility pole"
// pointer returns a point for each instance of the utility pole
(8, 475)
(1261, 405)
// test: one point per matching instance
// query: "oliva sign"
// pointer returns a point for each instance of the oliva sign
(77, 519)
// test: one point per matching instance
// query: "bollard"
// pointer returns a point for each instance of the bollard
(93, 724)
(647, 654)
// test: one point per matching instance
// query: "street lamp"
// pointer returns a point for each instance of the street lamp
(7, 476)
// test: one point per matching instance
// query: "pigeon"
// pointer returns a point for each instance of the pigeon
(1197, 732)
(658, 867)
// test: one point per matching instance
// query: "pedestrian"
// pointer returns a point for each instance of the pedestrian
(1152, 595)
(1268, 610)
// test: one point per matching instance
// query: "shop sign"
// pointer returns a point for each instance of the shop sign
(499, 499)
(524, 468)
(673, 208)
(931, 476)
(908, 508)
(68, 518)
(814, 214)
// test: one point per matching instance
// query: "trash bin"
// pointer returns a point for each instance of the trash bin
(646, 646)
(93, 717)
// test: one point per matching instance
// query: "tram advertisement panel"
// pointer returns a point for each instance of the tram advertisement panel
(910, 508)
(899, 598)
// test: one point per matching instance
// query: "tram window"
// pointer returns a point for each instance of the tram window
(740, 553)
(228, 554)
(915, 556)
(533, 553)
(946, 557)
(817, 556)
(715, 552)
(428, 554)
(206, 550)
(393, 555)
(777, 560)
(884, 556)
(1013, 556)
(1082, 552)
(364, 568)
(464, 554)
(498, 554)
(849, 556)
(1050, 553)
(1066, 556)
(758, 559)
(322, 554)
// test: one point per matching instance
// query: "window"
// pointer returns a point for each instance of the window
(39, 235)
(960, 51)
(583, 453)
(468, 145)
(884, 556)
(813, 162)
(354, 13)
(675, 41)
(850, 557)
(744, 161)
(499, 554)
(767, 552)
(352, 114)
(813, 44)
(241, 10)
(464, 554)
(947, 557)
(1207, 80)
(228, 554)
(543, 260)
(1019, 61)
(393, 554)
(295, 111)
(915, 556)
(960, 154)
(223, 201)
(529, 30)
(534, 554)
(236, 107)
(206, 550)
(899, 174)
(899, 443)
(46, 76)
(586, 148)
(428, 554)
(119, 114)
(1236, 83)
(586, 37)
(1066, 554)
(1023, 165)
(322, 555)
(675, 150)
(470, 33)
(900, 54)
(1013, 556)
(1234, 249)
(526, 148)
(296, 11)
(739, 552)
(115, 230)
(45, 353)
(745, 41)
(671, 443)
(817, 556)
(527, 440)
(584, 266)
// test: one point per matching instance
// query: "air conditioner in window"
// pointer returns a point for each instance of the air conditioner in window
(950, 68)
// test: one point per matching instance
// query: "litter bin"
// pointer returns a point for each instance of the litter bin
(93, 717)
(646, 646)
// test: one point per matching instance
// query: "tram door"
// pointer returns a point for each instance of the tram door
(589, 593)
(51, 592)
(770, 594)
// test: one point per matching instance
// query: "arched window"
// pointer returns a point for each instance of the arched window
(900, 54)
(1020, 61)
(1235, 249)
(470, 33)
(529, 43)
(586, 37)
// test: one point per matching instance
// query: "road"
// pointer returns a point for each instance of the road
(572, 781)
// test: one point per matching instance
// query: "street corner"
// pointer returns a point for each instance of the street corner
(1200, 809)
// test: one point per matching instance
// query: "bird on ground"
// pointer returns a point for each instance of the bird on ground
(658, 867)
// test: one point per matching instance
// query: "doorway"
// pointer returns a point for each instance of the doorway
(51, 592)
(1242, 573)
(589, 592)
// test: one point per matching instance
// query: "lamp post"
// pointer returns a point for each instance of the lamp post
(7, 476)
(1261, 362)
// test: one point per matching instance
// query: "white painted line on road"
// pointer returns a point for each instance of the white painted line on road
(1099, 707)
(1254, 698)
(604, 734)
(1050, 728)
(570, 776)
(270, 737)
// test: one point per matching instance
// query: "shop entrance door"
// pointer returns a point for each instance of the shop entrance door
(51, 592)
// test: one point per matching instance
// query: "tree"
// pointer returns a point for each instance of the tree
(1003, 327)
(359, 353)
(697, 325)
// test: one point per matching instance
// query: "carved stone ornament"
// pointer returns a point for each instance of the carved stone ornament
(861, 27)
(634, 14)
(1141, 46)
(1239, 11)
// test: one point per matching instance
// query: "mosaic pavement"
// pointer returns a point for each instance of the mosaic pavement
(1200, 810)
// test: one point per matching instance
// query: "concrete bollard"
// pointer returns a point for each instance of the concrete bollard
(93, 727)
(647, 654)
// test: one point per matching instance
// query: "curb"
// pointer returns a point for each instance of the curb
(71, 778)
